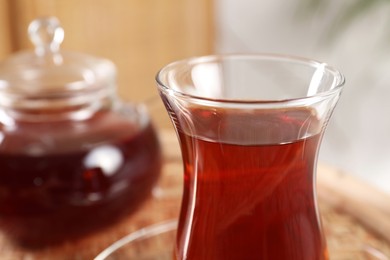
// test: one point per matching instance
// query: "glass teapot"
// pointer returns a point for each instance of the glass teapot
(73, 157)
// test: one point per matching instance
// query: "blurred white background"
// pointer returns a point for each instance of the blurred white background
(351, 35)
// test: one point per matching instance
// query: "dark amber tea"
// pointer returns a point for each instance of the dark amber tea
(256, 197)
(63, 179)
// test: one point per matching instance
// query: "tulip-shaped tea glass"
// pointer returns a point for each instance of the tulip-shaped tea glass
(250, 128)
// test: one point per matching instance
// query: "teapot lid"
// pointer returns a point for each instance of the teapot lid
(50, 74)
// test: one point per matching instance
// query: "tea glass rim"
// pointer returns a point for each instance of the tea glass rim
(336, 88)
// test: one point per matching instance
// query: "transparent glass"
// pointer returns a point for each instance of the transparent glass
(250, 128)
(74, 158)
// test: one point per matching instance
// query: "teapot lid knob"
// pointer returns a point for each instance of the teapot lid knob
(46, 34)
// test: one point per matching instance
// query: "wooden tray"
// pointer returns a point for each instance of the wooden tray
(354, 214)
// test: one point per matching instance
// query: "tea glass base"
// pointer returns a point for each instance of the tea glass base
(156, 242)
